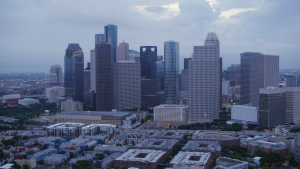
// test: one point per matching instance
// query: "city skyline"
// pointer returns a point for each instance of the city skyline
(233, 21)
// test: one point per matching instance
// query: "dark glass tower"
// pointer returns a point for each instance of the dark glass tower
(104, 87)
(148, 56)
(74, 72)
(111, 36)
(99, 38)
(157, 72)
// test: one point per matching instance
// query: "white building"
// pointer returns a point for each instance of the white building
(169, 112)
(68, 130)
(293, 105)
(27, 101)
(186, 159)
(54, 92)
(95, 129)
(225, 87)
(11, 96)
(228, 163)
(70, 105)
(248, 114)
(130, 122)
(58, 71)
(50, 79)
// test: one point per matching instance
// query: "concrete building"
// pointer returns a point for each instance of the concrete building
(50, 80)
(89, 103)
(297, 149)
(141, 158)
(193, 160)
(130, 122)
(70, 105)
(167, 135)
(127, 84)
(243, 113)
(122, 52)
(228, 163)
(236, 90)
(203, 146)
(171, 73)
(68, 130)
(257, 71)
(184, 80)
(169, 112)
(53, 93)
(158, 144)
(290, 80)
(93, 117)
(28, 101)
(292, 105)
(204, 81)
(224, 139)
(96, 129)
(109, 160)
(58, 71)
(55, 159)
(186, 63)
(225, 87)
(148, 56)
(272, 107)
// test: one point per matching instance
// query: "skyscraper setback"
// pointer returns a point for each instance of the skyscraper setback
(257, 71)
(111, 36)
(204, 81)
(171, 61)
(148, 56)
(74, 72)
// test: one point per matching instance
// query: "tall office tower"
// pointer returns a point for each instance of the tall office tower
(93, 69)
(160, 57)
(127, 84)
(157, 72)
(186, 63)
(111, 36)
(297, 149)
(184, 80)
(171, 84)
(50, 80)
(123, 51)
(74, 72)
(293, 105)
(99, 38)
(58, 71)
(220, 82)
(104, 80)
(272, 107)
(290, 80)
(204, 81)
(148, 56)
(134, 55)
(257, 71)
(87, 78)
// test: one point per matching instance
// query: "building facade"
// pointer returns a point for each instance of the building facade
(191, 160)
(148, 56)
(93, 69)
(243, 113)
(53, 93)
(50, 80)
(292, 105)
(171, 61)
(74, 72)
(290, 81)
(204, 81)
(157, 72)
(58, 71)
(70, 105)
(184, 80)
(111, 36)
(165, 112)
(122, 52)
(99, 38)
(87, 78)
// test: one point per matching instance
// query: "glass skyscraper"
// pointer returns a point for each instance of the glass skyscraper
(74, 72)
(99, 38)
(171, 73)
(148, 56)
(157, 72)
(111, 36)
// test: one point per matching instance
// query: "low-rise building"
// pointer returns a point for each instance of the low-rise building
(228, 163)
(95, 129)
(68, 130)
(225, 139)
(109, 160)
(203, 146)
(130, 122)
(111, 148)
(167, 135)
(30, 162)
(166, 112)
(70, 105)
(28, 101)
(297, 149)
(55, 159)
(158, 144)
(141, 158)
(184, 160)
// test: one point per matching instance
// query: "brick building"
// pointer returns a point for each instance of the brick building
(224, 139)
(189, 159)
(203, 146)
(158, 144)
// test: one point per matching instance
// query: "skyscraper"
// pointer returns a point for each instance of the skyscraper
(50, 80)
(87, 78)
(58, 71)
(157, 72)
(111, 36)
(290, 80)
(74, 72)
(148, 56)
(123, 51)
(99, 38)
(171, 61)
(186, 63)
(134, 55)
(257, 71)
(104, 80)
(204, 81)
(93, 69)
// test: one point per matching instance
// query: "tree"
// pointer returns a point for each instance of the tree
(25, 137)
(25, 166)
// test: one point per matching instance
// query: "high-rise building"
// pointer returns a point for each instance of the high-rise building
(53, 93)
(186, 63)
(74, 72)
(93, 69)
(134, 55)
(111, 36)
(204, 81)
(148, 56)
(257, 71)
(272, 107)
(99, 38)
(184, 80)
(291, 80)
(171, 61)
(160, 57)
(293, 105)
(127, 84)
(50, 80)
(104, 80)
(157, 72)
(58, 71)
(123, 51)
(87, 78)
(220, 78)
(297, 149)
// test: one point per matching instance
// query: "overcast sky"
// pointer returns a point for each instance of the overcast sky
(35, 34)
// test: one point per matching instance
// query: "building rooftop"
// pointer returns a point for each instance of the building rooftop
(157, 143)
(200, 134)
(96, 113)
(66, 125)
(91, 126)
(142, 155)
(167, 135)
(228, 162)
(191, 158)
(171, 106)
(202, 146)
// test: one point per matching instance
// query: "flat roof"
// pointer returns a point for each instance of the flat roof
(150, 155)
(186, 158)
(96, 113)
(228, 162)
(202, 145)
(157, 143)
